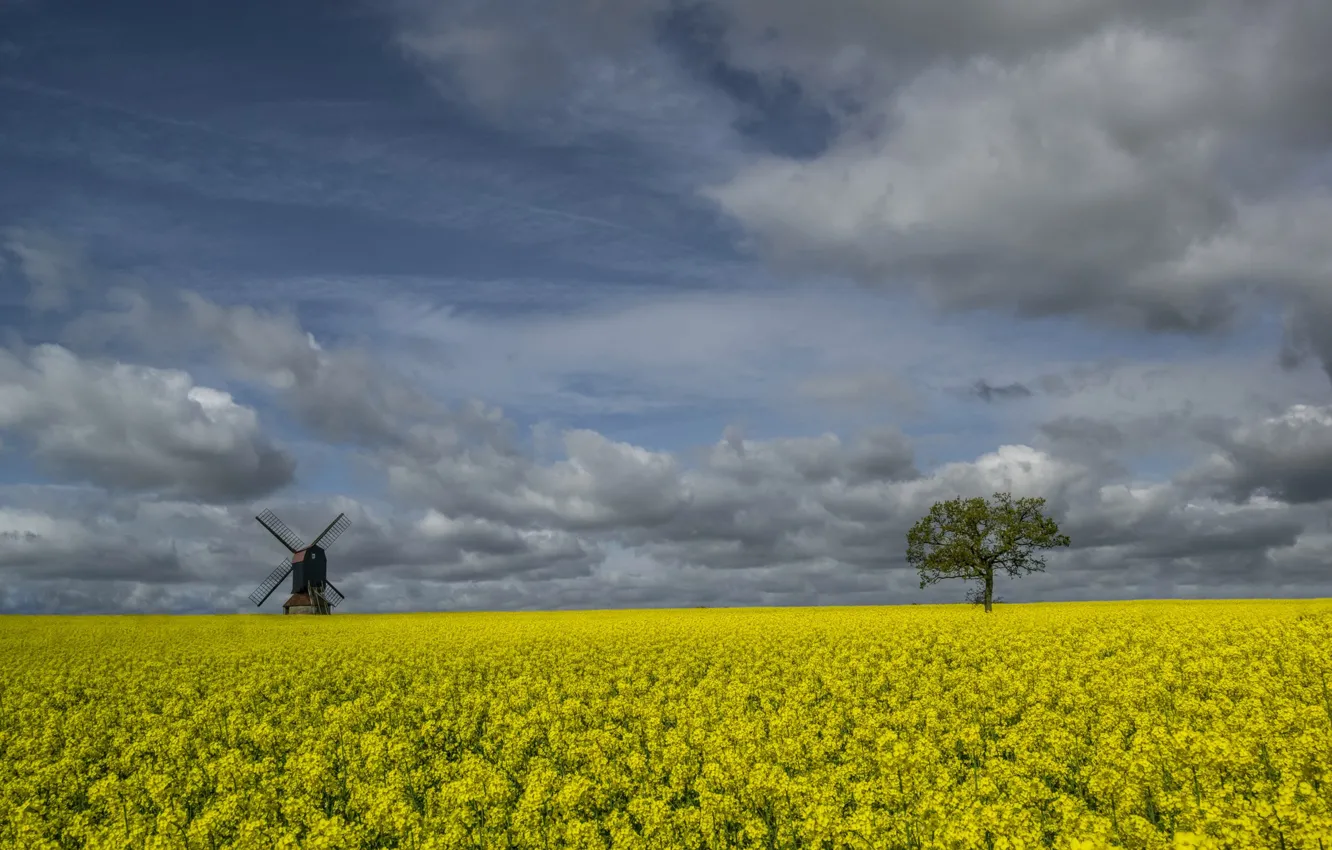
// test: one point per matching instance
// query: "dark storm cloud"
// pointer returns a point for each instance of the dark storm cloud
(1252, 534)
(1308, 333)
(1286, 457)
(880, 454)
(988, 392)
(1158, 540)
(478, 516)
(1179, 433)
(439, 548)
(108, 560)
(1084, 433)
(77, 544)
(788, 521)
(62, 596)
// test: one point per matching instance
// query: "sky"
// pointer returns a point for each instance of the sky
(654, 303)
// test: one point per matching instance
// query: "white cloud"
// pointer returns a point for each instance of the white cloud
(136, 428)
(1130, 163)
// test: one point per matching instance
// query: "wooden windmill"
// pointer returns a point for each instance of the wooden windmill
(311, 591)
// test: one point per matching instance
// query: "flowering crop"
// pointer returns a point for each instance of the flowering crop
(1137, 725)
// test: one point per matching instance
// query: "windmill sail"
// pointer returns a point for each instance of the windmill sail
(278, 529)
(274, 579)
(332, 594)
(334, 530)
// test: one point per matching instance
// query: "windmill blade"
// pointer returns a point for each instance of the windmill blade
(278, 529)
(334, 530)
(332, 594)
(267, 585)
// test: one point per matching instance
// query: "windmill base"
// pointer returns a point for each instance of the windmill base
(301, 603)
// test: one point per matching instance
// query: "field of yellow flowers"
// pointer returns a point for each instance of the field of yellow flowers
(1138, 725)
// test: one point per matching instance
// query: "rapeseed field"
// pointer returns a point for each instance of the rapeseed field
(1136, 725)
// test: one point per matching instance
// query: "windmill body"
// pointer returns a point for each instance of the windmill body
(308, 566)
(309, 571)
(311, 591)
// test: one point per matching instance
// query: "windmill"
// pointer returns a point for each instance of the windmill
(311, 591)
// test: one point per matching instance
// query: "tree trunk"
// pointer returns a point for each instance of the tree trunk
(989, 588)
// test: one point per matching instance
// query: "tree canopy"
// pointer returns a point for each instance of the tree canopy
(971, 538)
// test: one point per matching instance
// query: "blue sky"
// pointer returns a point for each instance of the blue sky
(683, 230)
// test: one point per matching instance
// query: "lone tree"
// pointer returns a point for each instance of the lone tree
(969, 538)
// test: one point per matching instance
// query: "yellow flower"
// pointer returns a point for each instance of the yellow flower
(1152, 725)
